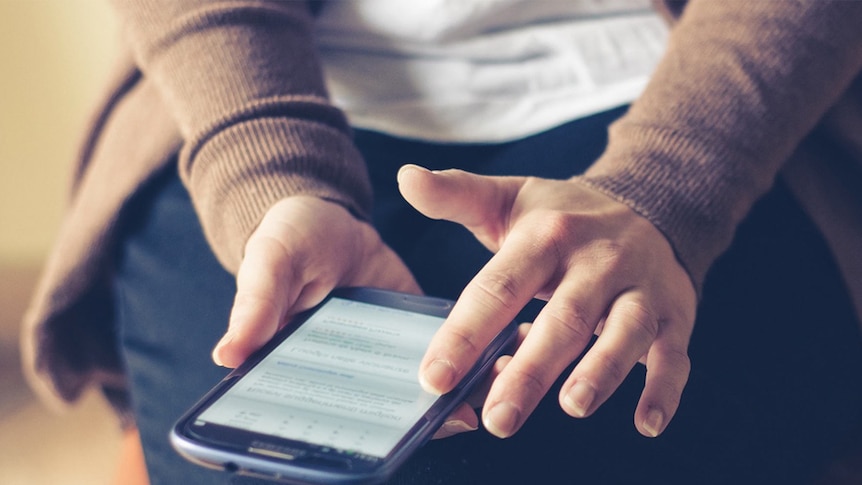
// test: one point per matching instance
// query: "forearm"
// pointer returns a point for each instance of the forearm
(741, 84)
(244, 85)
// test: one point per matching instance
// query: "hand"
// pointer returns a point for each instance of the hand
(602, 268)
(303, 248)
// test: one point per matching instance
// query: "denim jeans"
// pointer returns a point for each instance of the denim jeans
(776, 384)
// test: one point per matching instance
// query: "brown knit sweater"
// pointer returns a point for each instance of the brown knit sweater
(747, 91)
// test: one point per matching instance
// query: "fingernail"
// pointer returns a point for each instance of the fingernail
(653, 422)
(439, 377)
(580, 397)
(228, 337)
(456, 426)
(502, 420)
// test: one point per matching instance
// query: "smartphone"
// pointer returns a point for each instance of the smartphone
(334, 398)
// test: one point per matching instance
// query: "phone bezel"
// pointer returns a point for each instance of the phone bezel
(227, 448)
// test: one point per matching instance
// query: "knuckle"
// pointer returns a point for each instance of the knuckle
(572, 322)
(668, 385)
(244, 298)
(668, 391)
(682, 314)
(246, 305)
(496, 289)
(272, 248)
(679, 361)
(611, 366)
(666, 394)
(552, 230)
(531, 380)
(465, 341)
(638, 319)
(553, 224)
(610, 255)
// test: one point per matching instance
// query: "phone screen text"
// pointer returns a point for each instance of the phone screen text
(346, 379)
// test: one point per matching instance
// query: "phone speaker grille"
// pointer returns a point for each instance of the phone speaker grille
(271, 453)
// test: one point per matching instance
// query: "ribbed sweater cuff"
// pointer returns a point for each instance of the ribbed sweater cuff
(239, 173)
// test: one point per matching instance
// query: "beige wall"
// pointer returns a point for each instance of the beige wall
(53, 59)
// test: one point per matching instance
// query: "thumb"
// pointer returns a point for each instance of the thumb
(474, 201)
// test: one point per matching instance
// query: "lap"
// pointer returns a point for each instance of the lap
(758, 400)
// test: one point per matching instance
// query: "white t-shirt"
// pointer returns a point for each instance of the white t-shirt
(484, 70)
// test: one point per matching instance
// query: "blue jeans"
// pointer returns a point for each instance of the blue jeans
(776, 385)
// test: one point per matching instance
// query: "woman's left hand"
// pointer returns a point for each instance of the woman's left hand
(603, 269)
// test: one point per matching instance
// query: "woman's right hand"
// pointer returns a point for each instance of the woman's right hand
(303, 248)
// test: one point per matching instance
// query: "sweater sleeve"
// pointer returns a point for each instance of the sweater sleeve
(739, 87)
(243, 82)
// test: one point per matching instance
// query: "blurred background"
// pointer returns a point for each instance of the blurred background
(54, 56)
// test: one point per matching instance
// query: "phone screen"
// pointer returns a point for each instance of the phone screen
(345, 379)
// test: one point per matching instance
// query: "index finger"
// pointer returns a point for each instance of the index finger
(488, 303)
